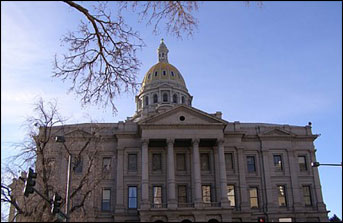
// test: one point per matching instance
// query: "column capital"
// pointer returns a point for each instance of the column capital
(195, 141)
(144, 141)
(220, 141)
(170, 141)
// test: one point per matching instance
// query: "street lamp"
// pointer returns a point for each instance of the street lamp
(317, 164)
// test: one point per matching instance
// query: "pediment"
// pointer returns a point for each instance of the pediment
(78, 133)
(277, 132)
(183, 115)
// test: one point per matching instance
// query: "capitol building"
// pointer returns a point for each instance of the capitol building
(171, 162)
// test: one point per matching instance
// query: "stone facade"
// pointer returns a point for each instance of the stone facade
(173, 162)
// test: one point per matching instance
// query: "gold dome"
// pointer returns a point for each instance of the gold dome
(163, 71)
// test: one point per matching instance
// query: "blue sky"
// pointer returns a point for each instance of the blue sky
(281, 64)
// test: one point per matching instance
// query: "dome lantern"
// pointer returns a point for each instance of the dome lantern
(162, 52)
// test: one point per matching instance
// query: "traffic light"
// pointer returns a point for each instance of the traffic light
(261, 219)
(56, 203)
(30, 182)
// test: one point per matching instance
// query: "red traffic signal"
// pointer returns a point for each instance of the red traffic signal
(261, 219)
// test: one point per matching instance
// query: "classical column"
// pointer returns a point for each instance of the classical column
(171, 175)
(145, 204)
(196, 174)
(222, 173)
(242, 180)
(120, 181)
(296, 189)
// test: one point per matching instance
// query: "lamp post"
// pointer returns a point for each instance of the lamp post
(317, 164)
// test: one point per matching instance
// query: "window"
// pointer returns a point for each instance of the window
(282, 196)
(253, 197)
(146, 100)
(175, 98)
(278, 162)
(165, 97)
(206, 194)
(156, 162)
(181, 161)
(156, 74)
(205, 161)
(106, 163)
(78, 164)
(132, 164)
(285, 219)
(172, 73)
(157, 193)
(132, 197)
(183, 99)
(149, 76)
(182, 195)
(231, 195)
(164, 73)
(228, 161)
(251, 164)
(155, 98)
(302, 163)
(106, 200)
(307, 195)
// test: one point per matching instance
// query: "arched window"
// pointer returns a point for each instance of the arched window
(155, 98)
(183, 99)
(165, 97)
(146, 100)
(175, 98)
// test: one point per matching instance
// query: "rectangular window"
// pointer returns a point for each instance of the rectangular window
(307, 195)
(132, 163)
(302, 163)
(181, 161)
(278, 162)
(205, 161)
(251, 164)
(228, 161)
(157, 193)
(132, 197)
(206, 194)
(156, 162)
(282, 196)
(231, 195)
(106, 200)
(253, 197)
(78, 161)
(182, 195)
(106, 164)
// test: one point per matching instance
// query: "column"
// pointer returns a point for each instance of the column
(318, 190)
(145, 204)
(171, 175)
(296, 189)
(196, 174)
(242, 180)
(268, 186)
(120, 181)
(222, 173)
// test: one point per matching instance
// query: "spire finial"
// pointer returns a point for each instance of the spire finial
(162, 52)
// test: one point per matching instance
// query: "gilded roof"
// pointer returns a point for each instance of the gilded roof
(163, 71)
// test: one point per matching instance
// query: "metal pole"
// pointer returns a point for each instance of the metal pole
(68, 189)
(322, 164)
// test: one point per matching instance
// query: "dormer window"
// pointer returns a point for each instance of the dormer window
(165, 97)
(164, 73)
(146, 100)
(172, 73)
(183, 99)
(149, 76)
(175, 98)
(156, 74)
(155, 98)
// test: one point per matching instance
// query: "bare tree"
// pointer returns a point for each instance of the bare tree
(40, 151)
(101, 60)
